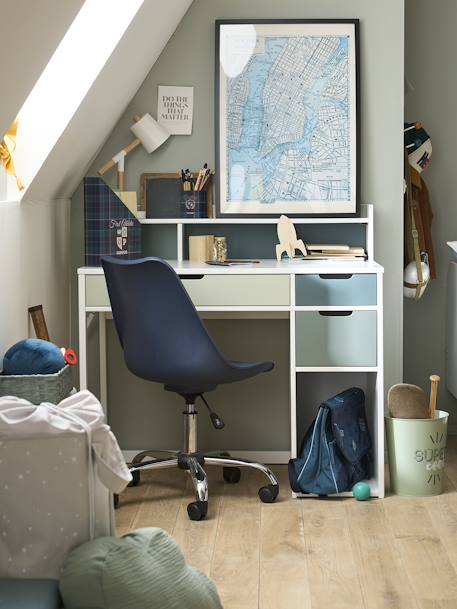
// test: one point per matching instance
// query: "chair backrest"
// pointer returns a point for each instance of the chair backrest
(160, 331)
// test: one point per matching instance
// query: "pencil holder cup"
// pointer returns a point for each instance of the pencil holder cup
(194, 204)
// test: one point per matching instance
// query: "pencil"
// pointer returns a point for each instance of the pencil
(206, 178)
(201, 174)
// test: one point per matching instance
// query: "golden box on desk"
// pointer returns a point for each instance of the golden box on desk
(201, 248)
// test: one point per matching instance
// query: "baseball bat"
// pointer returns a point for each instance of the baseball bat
(435, 379)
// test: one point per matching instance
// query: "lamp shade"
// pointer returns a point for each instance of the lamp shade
(150, 133)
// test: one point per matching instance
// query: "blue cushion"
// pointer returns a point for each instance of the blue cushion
(33, 356)
(29, 594)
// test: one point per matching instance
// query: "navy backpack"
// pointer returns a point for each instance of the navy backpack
(334, 454)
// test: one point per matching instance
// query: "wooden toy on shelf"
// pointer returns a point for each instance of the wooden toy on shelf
(288, 241)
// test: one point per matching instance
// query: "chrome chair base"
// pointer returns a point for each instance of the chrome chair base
(194, 462)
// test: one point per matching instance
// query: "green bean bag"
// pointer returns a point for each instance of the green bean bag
(144, 569)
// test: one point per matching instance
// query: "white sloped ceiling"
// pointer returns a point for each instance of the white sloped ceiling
(29, 32)
(107, 99)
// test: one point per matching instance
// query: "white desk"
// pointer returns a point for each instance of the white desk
(335, 320)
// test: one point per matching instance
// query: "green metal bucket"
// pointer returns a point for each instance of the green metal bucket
(417, 449)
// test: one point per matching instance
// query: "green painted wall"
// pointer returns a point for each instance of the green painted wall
(143, 414)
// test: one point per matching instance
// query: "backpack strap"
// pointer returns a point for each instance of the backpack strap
(314, 438)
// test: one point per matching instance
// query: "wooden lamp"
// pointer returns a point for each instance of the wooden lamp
(149, 133)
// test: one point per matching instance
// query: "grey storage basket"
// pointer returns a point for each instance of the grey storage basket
(38, 388)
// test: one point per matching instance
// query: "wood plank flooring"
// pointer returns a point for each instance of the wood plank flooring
(394, 553)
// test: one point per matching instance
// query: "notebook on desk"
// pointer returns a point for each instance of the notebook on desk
(231, 262)
(334, 251)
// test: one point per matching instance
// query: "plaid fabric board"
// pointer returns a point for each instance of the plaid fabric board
(110, 228)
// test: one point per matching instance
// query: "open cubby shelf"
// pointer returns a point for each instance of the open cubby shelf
(253, 237)
(313, 388)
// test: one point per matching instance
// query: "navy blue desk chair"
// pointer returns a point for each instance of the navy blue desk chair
(165, 341)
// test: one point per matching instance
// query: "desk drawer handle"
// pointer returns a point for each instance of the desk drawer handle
(335, 313)
(329, 276)
(191, 276)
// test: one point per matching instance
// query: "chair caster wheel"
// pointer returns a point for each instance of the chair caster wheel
(115, 501)
(136, 477)
(268, 494)
(197, 510)
(231, 475)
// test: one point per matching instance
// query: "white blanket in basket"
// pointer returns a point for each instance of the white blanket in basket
(58, 467)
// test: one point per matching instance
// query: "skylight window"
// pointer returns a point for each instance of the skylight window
(67, 78)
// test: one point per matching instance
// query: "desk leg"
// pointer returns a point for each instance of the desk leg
(293, 372)
(102, 355)
(379, 388)
(82, 332)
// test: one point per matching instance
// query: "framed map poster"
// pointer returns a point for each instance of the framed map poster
(287, 136)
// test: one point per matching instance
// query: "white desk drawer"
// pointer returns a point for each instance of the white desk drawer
(213, 290)
(96, 291)
(335, 290)
(239, 290)
(336, 338)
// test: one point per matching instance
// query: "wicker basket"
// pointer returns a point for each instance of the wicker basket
(38, 388)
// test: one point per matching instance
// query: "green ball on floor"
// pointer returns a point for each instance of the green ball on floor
(361, 491)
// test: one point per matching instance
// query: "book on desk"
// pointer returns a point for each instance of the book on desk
(334, 252)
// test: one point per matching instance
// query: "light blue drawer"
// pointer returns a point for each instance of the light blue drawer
(336, 338)
(335, 290)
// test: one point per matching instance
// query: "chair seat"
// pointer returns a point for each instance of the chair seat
(234, 372)
(29, 594)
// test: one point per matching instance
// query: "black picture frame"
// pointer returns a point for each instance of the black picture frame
(355, 25)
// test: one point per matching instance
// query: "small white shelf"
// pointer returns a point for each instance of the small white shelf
(365, 220)
(336, 368)
(366, 217)
(159, 221)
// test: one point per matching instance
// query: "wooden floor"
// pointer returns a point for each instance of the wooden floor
(396, 553)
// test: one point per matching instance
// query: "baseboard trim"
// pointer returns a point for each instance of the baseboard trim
(260, 456)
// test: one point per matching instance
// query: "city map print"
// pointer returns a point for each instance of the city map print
(288, 122)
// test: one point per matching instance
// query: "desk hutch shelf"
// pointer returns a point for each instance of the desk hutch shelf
(253, 237)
